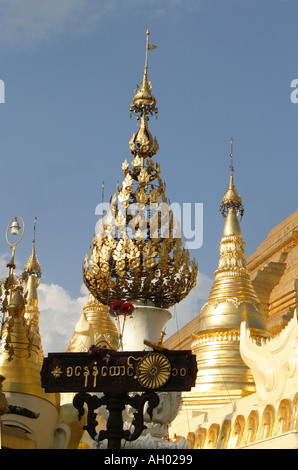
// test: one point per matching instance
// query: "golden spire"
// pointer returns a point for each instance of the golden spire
(32, 275)
(232, 285)
(143, 98)
(32, 266)
(222, 375)
(231, 198)
(135, 254)
(31, 316)
(19, 358)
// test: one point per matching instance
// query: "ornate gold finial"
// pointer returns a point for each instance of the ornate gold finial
(231, 198)
(32, 266)
(231, 154)
(144, 105)
(144, 101)
(137, 253)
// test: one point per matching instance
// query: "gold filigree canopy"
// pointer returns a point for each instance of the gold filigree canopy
(138, 252)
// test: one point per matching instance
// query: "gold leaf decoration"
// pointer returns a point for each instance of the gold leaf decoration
(135, 254)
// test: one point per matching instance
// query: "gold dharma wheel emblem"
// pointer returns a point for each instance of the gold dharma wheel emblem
(153, 370)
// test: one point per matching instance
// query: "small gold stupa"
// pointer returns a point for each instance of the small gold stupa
(222, 374)
(94, 327)
(136, 254)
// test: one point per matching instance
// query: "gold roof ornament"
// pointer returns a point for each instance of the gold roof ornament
(137, 252)
(143, 98)
(231, 198)
(32, 266)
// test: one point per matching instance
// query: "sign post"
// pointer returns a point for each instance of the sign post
(115, 374)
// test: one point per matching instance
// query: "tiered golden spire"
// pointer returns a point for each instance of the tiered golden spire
(222, 375)
(232, 297)
(20, 343)
(135, 254)
(32, 275)
(19, 353)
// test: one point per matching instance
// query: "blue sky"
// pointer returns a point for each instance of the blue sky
(222, 69)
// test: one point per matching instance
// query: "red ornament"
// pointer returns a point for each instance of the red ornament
(127, 308)
(119, 308)
(116, 306)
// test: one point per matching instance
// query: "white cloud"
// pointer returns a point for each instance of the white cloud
(3, 267)
(33, 20)
(59, 313)
(29, 21)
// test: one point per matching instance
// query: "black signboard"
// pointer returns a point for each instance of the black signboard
(119, 371)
